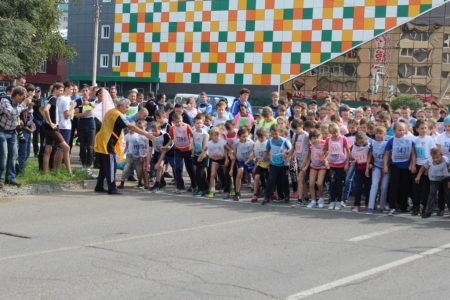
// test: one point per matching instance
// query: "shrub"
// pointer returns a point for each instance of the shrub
(409, 100)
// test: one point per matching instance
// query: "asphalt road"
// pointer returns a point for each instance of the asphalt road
(82, 245)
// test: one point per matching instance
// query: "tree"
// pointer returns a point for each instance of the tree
(29, 36)
(409, 100)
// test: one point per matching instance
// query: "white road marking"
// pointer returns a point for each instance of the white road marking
(136, 237)
(378, 233)
(352, 278)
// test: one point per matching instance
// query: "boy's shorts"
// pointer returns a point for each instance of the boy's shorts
(249, 167)
(261, 171)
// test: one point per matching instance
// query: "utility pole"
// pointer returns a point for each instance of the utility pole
(95, 54)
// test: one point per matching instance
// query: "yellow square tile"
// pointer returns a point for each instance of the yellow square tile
(369, 23)
(279, 14)
(172, 47)
(248, 68)
(163, 67)
(147, 74)
(196, 57)
(242, 5)
(132, 37)
(259, 36)
(214, 26)
(232, 26)
(148, 47)
(131, 67)
(370, 2)
(256, 79)
(286, 77)
(392, 2)
(287, 25)
(231, 47)
(267, 58)
(260, 15)
(297, 35)
(118, 18)
(156, 27)
(315, 58)
(198, 5)
(179, 77)
(173, 6)
(347, 35)
(328, 13)
(414, 10)
(298, 4)
(142, 7)
(221, 78)
(188, 36)
(213, 57)
(117, 37)
(189, 16)
(276, 68)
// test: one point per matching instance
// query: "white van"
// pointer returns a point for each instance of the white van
(213, 99)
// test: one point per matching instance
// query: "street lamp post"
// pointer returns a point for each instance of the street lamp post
(94, 62)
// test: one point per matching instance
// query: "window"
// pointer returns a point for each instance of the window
(104, 60)
(446, 58)
(105, 31)
(116, 61)
(43, 67)
(406, 70)
(406, 52)
(414, 35)
(446, 40)
(414, 89)
(445, 74)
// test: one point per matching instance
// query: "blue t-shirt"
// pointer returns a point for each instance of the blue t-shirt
(235, 107)
(205, 108)
(400, 149)
(277, 149)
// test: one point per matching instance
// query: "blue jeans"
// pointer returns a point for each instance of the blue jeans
(8, 153)
(185, 156)
(377, 176)
(24, 151)
(348, 182)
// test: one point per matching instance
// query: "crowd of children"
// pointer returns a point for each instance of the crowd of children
(297, 152)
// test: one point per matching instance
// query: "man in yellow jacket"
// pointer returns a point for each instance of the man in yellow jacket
(106, 140)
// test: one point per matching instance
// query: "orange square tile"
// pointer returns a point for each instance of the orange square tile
(155, 57)
(287, 47)
(298, 13)
(163, 47)
(148, 27)
(266, 79)
(181, 26)
(204, 67)
(165, 17)
(206, 15)
(391, 22)
(346, 45)
(276, 58)
(232, 15)
(213, 47)
(317, 24)
(278, 25)
(126, 27)
(295, 69)
(147, 67)
(316, 47)
(205, 36)
(221, 57)
(258, 47)
(141, 17)
(170, 77)
(358, 23)
(124, 66)
(230, 68)
(328, 3)
(337, 24)
(306, 35)
(240, 36)
(251, 15)
(187, 67)
(188, 46)
(172, 36)
(139, 74)
(270, 4)
(140, 47)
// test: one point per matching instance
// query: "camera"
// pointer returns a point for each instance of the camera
(20, 137)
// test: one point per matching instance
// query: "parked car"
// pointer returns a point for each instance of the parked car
(213, 99)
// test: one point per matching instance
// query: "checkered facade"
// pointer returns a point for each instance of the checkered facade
(259, 42)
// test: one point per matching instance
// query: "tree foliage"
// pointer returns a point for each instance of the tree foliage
(28, 35)
(409, 100)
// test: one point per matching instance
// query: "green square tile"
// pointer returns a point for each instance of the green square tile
(156, 37)
(212, 68)
(238, 78)
(402, 11)
(149, 17)
(250, 25)
(378, 31)
(195, 77)
(249, 46)
(197, 26)
(288, 14)
(133, 18)
(205, 46)
(325, 56)
(295, 58)
(356, 43)
(266, 68)
(126, 8)
(155, 69)
(157, 7)
(220, 5)
(133, 26)
(147, 57)
(132, 57)
(336, 47)
(223, 36)
(326, 35)
(277, 47)
(124, 47)
(268, 36)
(239, 57)
(305, 67)
(380, 11)
(251, 4)
(179, 57)
(306, 47)
(349, 12)
(424, 7)
(307, 13)
(182, 6)
(172, 26)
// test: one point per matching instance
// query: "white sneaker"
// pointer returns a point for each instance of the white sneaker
(343, 204)
(391, 212)
(337, 206)
(320, 203)
(312, 204)
(332, 205)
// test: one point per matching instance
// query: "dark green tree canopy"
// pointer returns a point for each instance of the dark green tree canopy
(28, 35)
